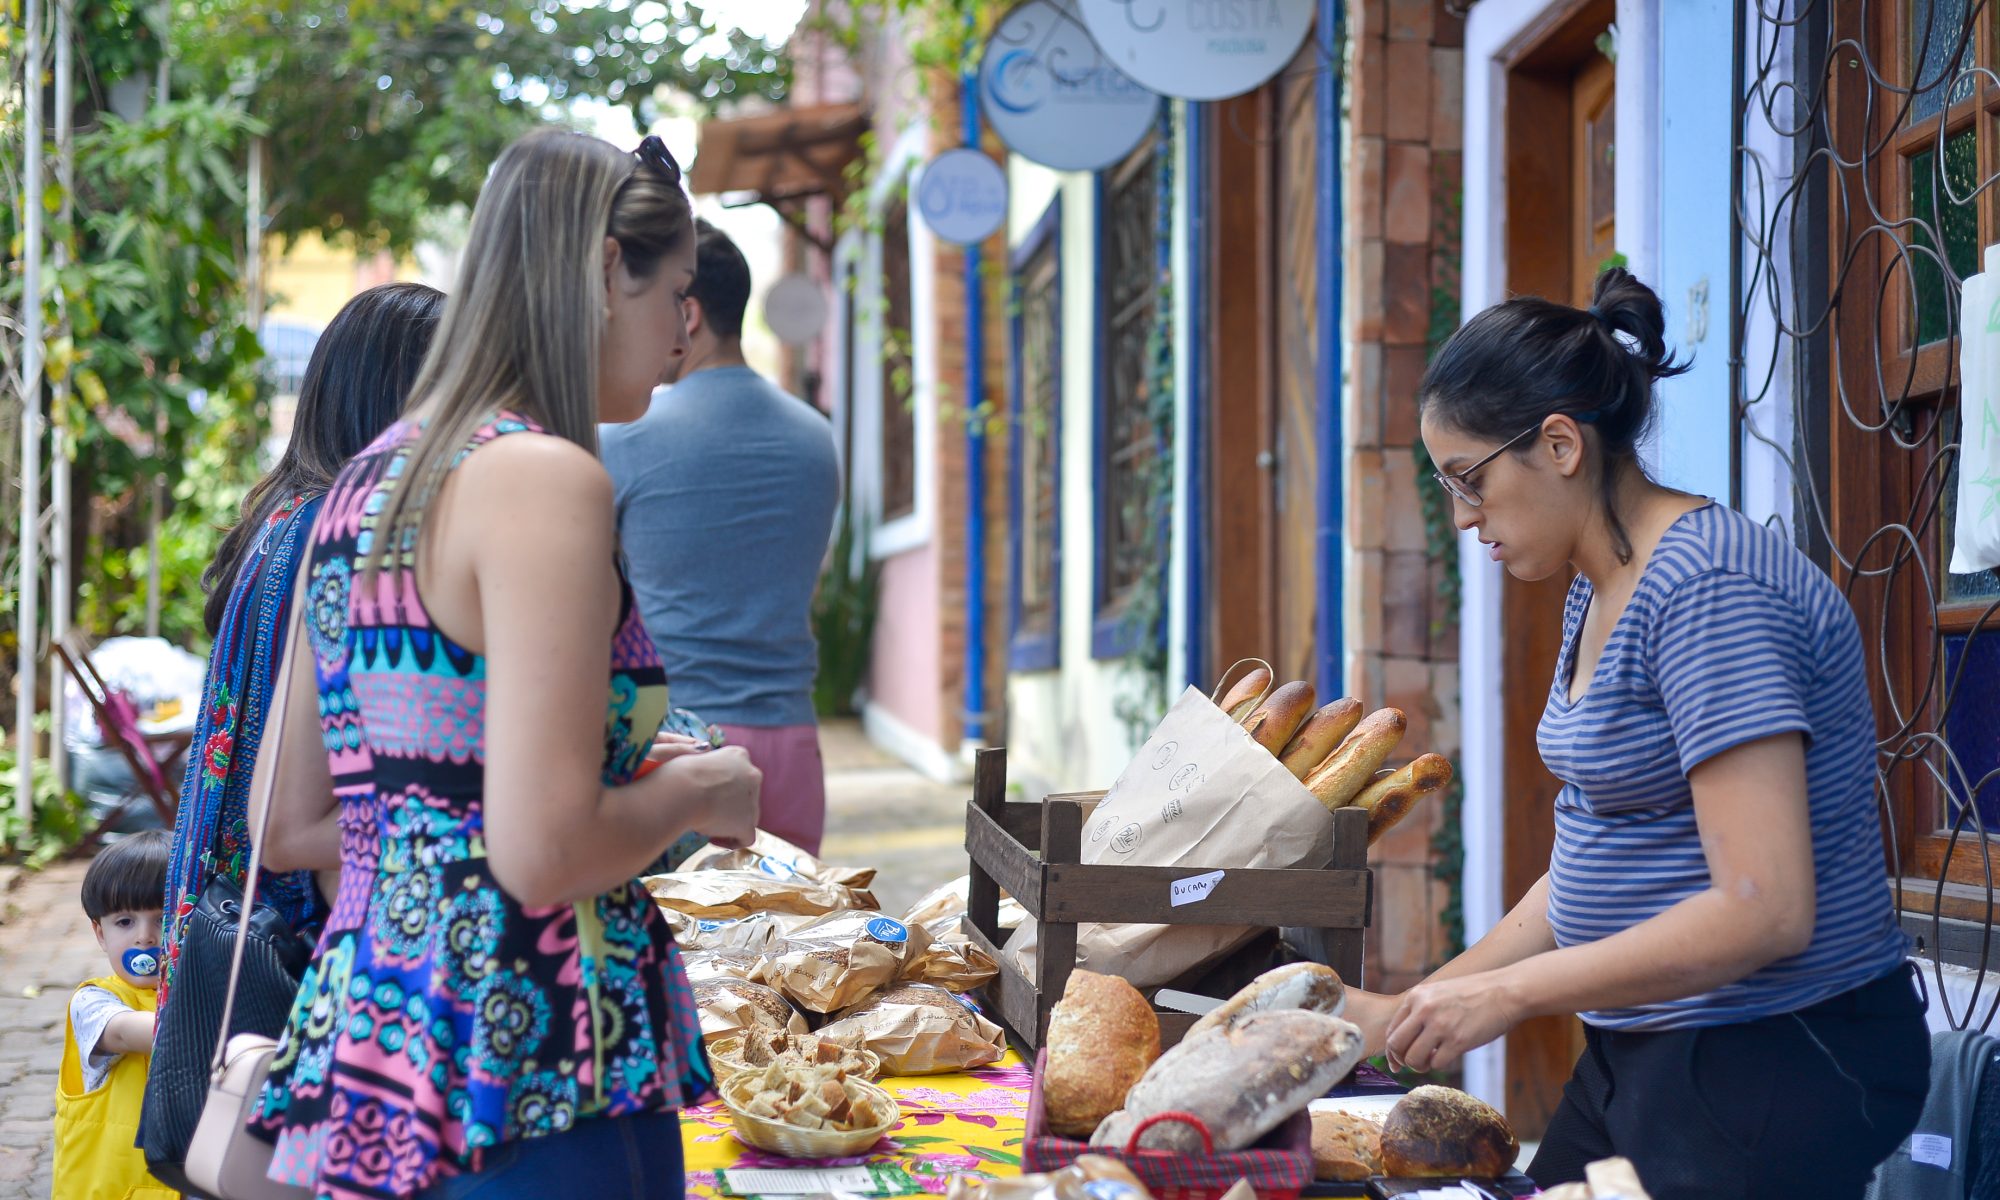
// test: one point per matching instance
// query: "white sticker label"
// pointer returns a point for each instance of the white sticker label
(783, 1182)
(1195, 888)
(1933, 1149)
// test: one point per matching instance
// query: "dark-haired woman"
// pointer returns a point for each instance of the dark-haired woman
(1714, 907)
(355, 383)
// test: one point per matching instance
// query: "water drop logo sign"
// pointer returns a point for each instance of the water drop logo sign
(1201, 49)
(962, 195)
(1053, 98)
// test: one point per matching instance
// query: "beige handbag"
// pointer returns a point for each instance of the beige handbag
(225, 1160)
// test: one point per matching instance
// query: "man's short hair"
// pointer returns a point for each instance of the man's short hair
(721, 281)
(129, 875)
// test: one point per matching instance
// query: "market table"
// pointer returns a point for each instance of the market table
(951, 1125)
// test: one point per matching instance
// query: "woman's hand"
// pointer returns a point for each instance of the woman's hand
(728, 784)
(1439, 1020)
(1370, 1013)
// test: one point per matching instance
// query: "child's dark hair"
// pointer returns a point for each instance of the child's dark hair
(129, 875)
(1518, 363)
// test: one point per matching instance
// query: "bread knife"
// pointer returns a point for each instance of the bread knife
(1186, 1002)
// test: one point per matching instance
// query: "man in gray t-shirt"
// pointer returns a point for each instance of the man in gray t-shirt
(726, 495)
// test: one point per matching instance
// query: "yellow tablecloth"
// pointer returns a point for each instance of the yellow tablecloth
(952, 1125)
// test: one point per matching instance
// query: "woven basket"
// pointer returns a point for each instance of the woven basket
(726, 1056)
(775, 1137)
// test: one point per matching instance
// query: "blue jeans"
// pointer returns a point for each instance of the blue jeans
(634, 1157)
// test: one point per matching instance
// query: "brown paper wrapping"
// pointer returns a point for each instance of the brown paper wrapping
(917, 1029)
(732, 1006)
(776, 857)
(1199, 793)
(741, 935)
(953, 964)
(1090, 1177)
(943, 907)
(840, 959)
(728, 895)
(707, 967)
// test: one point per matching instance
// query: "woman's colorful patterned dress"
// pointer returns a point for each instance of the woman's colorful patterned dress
(440, 1016)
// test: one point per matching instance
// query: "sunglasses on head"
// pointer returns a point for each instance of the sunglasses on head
(654, 153)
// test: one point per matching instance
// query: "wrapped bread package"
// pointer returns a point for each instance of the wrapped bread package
(1090, 1177)
(950, 963)
(728, 895)
(736, 1006)
(840, 959)
(943, 908)
(739, 935)
(918, 1029)
(778, 858)
(709, 966)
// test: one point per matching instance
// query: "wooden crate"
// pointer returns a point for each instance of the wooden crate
(1032, 850)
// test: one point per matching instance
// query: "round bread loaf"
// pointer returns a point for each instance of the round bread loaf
(1303, 985)
(1347, 1148)
(1102, 1037)
(1437, 1131)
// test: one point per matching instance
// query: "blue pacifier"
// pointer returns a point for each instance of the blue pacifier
(142, 961)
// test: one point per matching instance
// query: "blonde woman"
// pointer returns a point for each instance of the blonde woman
(495, 1006)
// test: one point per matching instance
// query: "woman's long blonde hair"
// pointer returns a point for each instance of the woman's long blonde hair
(524, 321)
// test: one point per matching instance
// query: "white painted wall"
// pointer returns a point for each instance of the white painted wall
(1063, 728)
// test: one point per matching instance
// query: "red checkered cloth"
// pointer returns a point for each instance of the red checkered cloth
(1278, 1166)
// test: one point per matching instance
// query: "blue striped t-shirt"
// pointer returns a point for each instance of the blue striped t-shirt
(1732, 635)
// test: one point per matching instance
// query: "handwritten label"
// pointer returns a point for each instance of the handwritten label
(1931, 1149)
(1195, 888)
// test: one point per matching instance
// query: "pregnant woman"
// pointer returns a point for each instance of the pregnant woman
(1714, 908)
(496, 1006)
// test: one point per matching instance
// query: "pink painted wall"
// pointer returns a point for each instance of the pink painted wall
(903, 673)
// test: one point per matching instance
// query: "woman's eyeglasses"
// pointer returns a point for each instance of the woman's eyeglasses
(654, 153)
(1457, 484)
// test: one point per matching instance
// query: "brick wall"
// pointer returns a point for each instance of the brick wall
(1404, 107)
(954, 404)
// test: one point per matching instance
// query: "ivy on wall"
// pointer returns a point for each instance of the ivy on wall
(1441, 546)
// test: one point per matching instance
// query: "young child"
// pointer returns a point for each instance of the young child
(109, 1037)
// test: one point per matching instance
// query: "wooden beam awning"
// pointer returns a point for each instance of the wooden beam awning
(783, 155)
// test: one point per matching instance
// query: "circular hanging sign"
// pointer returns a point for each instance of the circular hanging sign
(962, 195)
(1053, 98)
(795, 309)
(1199, 49)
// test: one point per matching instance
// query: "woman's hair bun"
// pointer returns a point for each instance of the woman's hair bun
(1624, 305)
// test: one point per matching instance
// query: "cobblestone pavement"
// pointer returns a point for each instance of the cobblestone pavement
(880, 813)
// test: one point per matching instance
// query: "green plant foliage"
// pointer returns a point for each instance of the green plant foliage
(843, 619)
(59, 818)
(383, 111)
(1441, 544)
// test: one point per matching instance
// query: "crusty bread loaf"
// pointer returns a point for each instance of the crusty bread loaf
(1347, 770)
(1241, 1081)
(1436, 1131)
(1303, 985)
(1272, 723)
(1102, 1037)
(1244, 694)
(1347, 1148)
(1321, 735)
(1390, 800)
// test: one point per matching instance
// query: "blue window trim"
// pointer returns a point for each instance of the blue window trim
(1111, 635)
(1034, 651)
(1193, 412)
(1332, 583)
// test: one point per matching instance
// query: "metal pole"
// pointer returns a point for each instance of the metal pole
(253, 237)
(974, 730)
(29, 625)
(60, 569)
(160, 97)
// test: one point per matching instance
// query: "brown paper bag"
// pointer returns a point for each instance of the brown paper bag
(1200, 792)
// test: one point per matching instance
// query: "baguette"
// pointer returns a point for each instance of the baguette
(1245, 693)
(1389, 800)
(1272, 723)
(1347, 770)
(1321, 735)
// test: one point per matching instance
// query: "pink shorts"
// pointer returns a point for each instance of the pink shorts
(793, 804)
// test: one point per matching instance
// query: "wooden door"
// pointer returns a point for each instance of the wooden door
(1561, 226)
(1263, 259)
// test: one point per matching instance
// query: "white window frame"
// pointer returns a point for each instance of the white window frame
(863, 253)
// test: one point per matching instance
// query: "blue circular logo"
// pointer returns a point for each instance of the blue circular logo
(143, 961)
(883, 929)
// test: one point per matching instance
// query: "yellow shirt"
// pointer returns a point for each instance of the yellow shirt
(96, 1158)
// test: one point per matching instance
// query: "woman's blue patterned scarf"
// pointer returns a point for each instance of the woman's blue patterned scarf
(211, 830)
